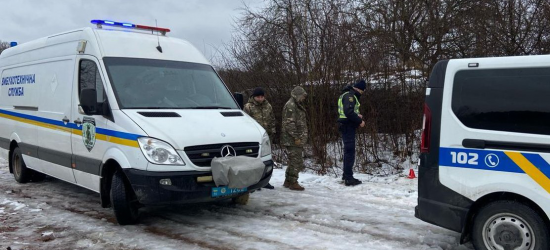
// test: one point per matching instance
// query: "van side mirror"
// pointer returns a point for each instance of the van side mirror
(106, 110)
(88, 102)
(240, 99)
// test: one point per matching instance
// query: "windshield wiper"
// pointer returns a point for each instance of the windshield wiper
(211, 107)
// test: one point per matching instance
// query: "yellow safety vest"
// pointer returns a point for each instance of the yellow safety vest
(341, 106)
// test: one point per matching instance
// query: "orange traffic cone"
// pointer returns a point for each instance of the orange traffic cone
(411, 174)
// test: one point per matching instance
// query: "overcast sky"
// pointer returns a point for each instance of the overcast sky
(205, 23)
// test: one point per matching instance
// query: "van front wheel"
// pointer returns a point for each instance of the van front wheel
(509, 225)
(123, 200)
(20, 171)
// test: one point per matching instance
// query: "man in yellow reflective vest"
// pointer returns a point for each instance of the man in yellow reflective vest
(349, 120)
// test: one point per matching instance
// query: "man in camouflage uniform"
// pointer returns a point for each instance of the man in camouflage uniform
(259, 108)
(294, 136)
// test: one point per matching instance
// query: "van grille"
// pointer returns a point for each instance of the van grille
(202, 155)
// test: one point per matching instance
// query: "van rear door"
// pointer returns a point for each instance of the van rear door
(437, 204)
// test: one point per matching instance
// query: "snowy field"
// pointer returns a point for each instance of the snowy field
(376, 215)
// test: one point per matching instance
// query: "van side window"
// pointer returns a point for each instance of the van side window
(513, 100)
(89, 78)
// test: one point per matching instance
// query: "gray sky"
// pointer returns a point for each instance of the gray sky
(207, 24)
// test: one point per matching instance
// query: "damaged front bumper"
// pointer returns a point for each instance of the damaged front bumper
(184, 186)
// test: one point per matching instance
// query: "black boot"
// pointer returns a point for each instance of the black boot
(269, 186)
(352, 182)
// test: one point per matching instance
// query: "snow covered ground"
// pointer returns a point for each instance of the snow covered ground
(376, 215)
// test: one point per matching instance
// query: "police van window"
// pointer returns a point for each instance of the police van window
(89, 78)
(160, 84)
(513, 100)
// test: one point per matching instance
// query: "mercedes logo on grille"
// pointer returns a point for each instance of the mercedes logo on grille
(227, 150)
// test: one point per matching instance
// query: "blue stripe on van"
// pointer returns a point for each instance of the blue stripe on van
(108, 132)
(530, 164)
(114, 133)
(483, 161)
(36, 118)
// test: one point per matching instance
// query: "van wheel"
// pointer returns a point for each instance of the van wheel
(509, 225)
(20, 171)
(241, 200)
(123, 200)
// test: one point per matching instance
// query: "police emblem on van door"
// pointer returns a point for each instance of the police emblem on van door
(88, 132)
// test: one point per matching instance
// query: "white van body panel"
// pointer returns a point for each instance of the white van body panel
(88, 181)
(476, 183)
(55, 170)
(15, 137)
(215, 128)
(119, 156)
(138, 45)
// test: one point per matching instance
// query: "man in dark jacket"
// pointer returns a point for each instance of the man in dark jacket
(349, 119)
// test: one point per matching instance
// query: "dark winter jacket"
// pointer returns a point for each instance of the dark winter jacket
(348, 102)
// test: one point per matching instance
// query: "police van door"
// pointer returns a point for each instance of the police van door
(54, 130)
(88, 141)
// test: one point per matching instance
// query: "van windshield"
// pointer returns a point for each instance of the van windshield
(159, 84)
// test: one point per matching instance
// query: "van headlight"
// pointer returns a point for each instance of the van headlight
(159, 152)
(266, 145)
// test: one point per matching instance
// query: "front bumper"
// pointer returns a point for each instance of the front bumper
(184, 188)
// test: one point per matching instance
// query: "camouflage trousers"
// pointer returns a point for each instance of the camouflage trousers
(295, 163)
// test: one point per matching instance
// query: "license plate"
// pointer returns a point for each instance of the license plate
(225, 191)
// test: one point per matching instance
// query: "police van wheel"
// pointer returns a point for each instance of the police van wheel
(20, 171)
(123, 200)
(509, 225)
(241, 200)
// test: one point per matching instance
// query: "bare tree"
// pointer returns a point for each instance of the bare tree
(3, 46)
(324, 45)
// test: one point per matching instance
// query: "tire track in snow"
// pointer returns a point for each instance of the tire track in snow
(328, 228)
(179, 237)
(85, 209)
(232, 232)
(360, 200)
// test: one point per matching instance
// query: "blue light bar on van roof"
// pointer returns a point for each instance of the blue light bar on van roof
(100, 23)
(112, 23)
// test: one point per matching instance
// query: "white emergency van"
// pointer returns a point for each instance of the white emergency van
(485, 162)
(126, 111)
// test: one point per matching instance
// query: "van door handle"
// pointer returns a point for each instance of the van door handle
(78, 121)
(65, 120)
(474, 143)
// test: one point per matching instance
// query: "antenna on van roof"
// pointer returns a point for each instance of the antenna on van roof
(158, 39)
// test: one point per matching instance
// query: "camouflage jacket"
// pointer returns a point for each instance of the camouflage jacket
(294, 125)
(262, 113)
